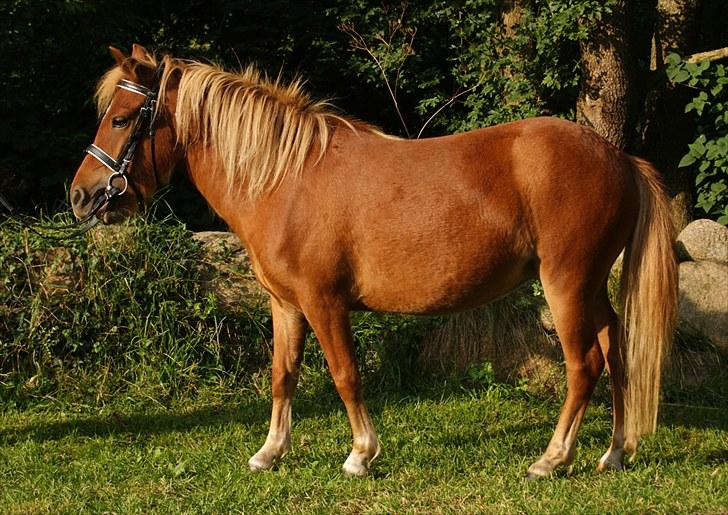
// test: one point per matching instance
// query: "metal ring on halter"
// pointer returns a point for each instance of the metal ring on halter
(110, 185)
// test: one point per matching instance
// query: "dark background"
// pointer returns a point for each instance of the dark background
(52, 52)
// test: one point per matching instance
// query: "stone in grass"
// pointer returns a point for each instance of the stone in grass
(704, 300)
(703, 240)
(227, 272)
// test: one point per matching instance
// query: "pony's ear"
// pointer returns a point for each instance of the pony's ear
(117, 54)
(140, 53)
(139, 65)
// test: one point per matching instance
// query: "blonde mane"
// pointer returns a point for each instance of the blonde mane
(261, 129)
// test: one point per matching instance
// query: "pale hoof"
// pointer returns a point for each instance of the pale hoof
(261, 461)
(357, 464)
(355, 469)
(612, 460)
(536, 472)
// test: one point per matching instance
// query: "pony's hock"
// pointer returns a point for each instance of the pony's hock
(337, 216)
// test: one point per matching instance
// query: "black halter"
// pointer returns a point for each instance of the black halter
(145, 120)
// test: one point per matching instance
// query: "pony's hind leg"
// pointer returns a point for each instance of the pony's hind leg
(609, 335)
(333, 330)
(584, 365)
(289, 333)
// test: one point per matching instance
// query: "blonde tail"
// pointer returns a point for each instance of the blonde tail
(649, 299)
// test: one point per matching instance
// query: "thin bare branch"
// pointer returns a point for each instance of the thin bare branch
(359, 43)
(445, 105)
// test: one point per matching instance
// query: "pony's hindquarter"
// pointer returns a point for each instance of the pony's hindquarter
(649, 297)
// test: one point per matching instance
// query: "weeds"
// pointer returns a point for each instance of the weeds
(123, 306)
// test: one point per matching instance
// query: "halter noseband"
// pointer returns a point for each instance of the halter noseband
(146, 118)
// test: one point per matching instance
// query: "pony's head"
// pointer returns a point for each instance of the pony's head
(134, 152)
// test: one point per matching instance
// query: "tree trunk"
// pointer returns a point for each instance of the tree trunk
(666, 129)
(604, 102)
(511, 16)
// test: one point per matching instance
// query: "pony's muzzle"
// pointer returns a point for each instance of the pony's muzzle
(83, 201)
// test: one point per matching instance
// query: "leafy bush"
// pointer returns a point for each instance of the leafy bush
(128, 305)
(707, 156)
(131, 307)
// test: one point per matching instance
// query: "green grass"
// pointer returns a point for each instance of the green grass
(445, 449)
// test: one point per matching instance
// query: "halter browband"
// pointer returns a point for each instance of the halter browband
(146, 117)
(133, 87)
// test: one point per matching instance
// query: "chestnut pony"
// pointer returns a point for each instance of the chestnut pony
(337, 216)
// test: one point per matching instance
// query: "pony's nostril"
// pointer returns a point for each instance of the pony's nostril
(78, 196)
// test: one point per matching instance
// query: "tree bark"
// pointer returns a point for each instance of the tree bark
(604, 101)
(666, 129)
(511, 16)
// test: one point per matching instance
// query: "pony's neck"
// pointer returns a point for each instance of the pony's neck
(207, 174)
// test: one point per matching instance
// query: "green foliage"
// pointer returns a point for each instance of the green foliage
(529, 70)
(128, 307)
(707, 155)
(455, 66)
(480, 375)
(387, 347)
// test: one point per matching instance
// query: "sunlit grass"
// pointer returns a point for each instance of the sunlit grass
(445, 449)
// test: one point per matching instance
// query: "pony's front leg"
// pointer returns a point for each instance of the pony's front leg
(332, 327)
(289, 333)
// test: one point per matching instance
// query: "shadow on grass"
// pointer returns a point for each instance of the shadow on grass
(135, 424)
(526, 437)
(249, 413)
(322, 402)
(694, 416)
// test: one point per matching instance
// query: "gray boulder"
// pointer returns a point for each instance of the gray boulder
(703, 240)
(704, 300)
(226, 271)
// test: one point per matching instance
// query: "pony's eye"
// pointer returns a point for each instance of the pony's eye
(119, 122)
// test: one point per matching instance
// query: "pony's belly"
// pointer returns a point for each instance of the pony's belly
(441, 293)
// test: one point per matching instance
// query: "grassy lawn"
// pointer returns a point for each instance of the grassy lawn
(446, 449)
